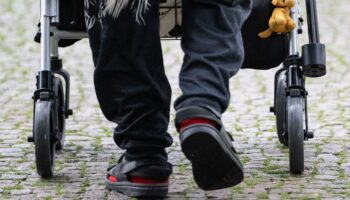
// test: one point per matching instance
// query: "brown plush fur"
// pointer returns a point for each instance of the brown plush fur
(280, 21)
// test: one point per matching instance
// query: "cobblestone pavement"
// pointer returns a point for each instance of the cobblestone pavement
(89, 149)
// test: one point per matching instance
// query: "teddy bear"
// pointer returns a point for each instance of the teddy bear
(280, 21)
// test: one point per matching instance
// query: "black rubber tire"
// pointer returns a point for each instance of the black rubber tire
(280, 109)
(60, 114)
(295, 117)
(43, 138)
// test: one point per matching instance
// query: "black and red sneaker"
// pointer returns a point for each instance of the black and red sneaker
(121, 178)
(208, 146)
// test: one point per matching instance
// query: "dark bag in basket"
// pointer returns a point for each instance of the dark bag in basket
(259, 53)
(262, 53)
(72, 15)
(71, 18)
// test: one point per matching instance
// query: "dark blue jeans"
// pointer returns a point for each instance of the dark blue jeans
(130, 82)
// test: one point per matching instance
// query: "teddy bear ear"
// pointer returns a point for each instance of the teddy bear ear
(278, 2)
(290, 3)
(275, 2)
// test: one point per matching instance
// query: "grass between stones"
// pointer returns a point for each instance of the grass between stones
(7, 190)
(269, 168)
(263, 195)
(59, 189)
(342, 159)
(237, 190)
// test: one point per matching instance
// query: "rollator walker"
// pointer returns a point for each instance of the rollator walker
(51, 99)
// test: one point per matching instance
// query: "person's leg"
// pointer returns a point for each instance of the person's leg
(130, 82)
(213, 48)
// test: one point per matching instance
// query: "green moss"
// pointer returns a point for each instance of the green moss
(262, 195)
(284, 176)
(41, 183)
(275, 169)
(237, 190)
(327, 189)
(302, 187)
(107, 131)
(263, 89)
(319, 197)
(341, 173)
(303, 198)
(238, 127)
(245, 159)
(245, 139)
(17, 125)
(251, 182)
(348, 186)
(59, 164)
(284, 196)
(97, 144)
(283, 148)
(182, 169)
(85, 183)
(23, 159)
(321, 115)
(314, 171)
(270, 138)
(18, 187)
(318, 149)
(78, 149)
(191, 184)
(59, 190)
(279, 185)
(7, 190)
(113, 160)
(258, 133)
(83, 169)
(255, 173)
(249, 102)
(342, 159)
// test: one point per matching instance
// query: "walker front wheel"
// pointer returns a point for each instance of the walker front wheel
(44, 138)
(295, 121)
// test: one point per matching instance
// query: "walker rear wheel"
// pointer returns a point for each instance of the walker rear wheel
(280, 109)
(60, 113)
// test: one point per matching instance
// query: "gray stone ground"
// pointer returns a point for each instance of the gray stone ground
(81, 166)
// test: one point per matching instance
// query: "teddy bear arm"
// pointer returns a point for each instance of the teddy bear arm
(290, 25)
(265, 34)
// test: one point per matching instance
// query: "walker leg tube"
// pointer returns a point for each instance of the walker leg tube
(48, 11)
(45, 44)
(311, 10)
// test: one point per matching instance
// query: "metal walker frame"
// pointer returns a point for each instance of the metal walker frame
(51, 102)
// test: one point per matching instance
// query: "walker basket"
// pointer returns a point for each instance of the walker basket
(259, 53)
